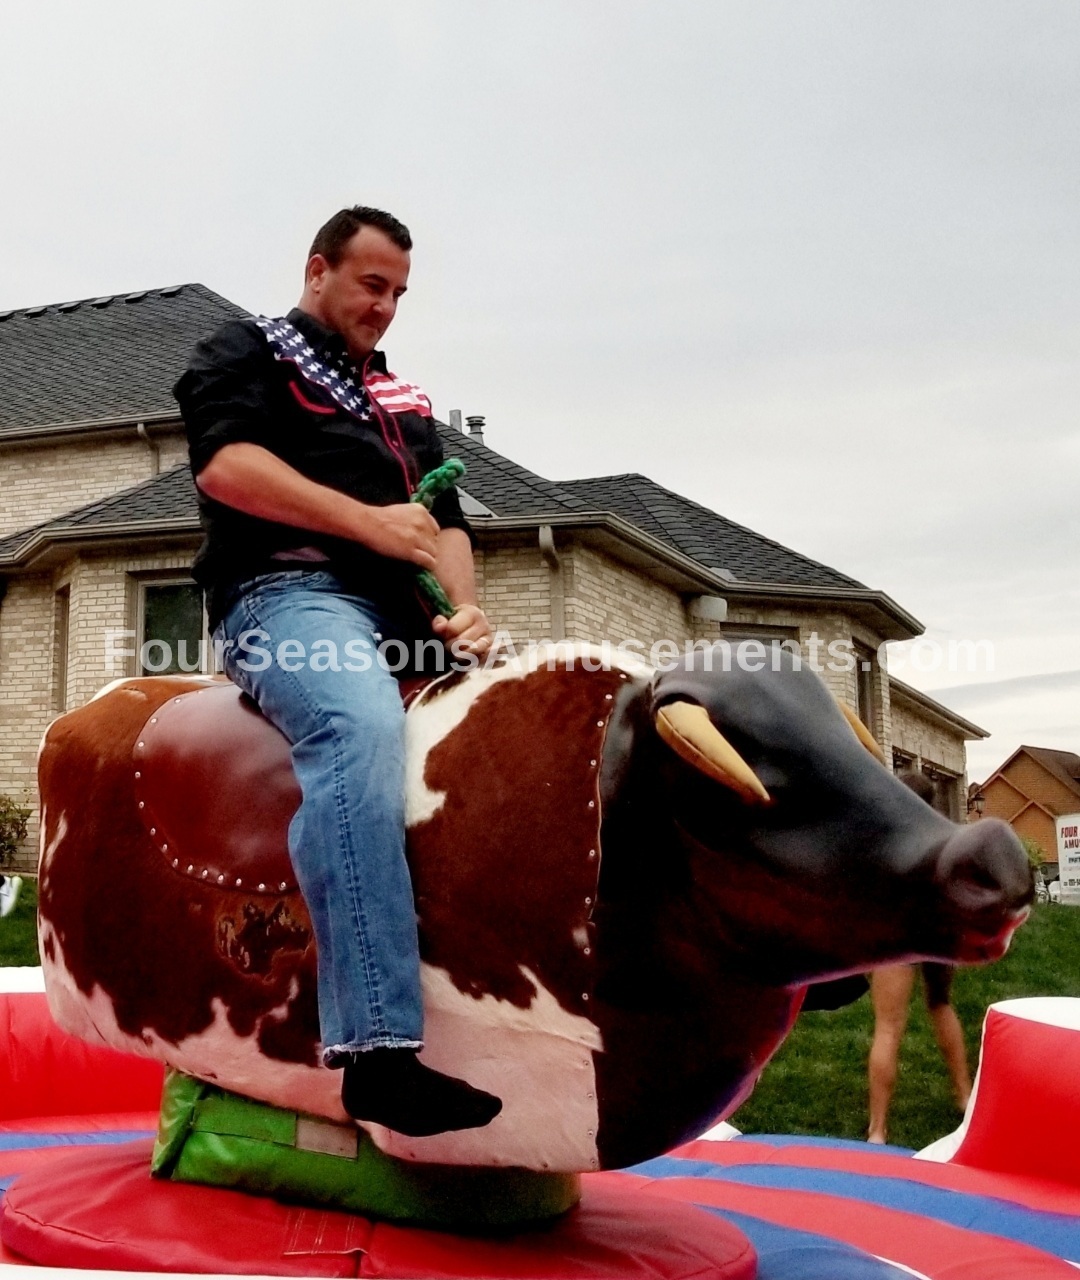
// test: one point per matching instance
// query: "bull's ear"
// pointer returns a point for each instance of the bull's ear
(688, 731)
(861, 731)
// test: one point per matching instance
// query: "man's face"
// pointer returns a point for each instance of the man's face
(359, 296)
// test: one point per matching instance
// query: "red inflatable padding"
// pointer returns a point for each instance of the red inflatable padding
(1025, 1117)
(98, 1208)
(96, 1122)
(46, 1072)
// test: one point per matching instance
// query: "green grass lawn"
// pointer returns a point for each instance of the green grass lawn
(18, 931)
(816, 1084)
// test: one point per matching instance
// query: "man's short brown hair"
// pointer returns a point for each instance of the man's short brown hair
(332, 237)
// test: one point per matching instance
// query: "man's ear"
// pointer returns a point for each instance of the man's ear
(316, 268)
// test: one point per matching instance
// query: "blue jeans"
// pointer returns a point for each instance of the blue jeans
(347, 839)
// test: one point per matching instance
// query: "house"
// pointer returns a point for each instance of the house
(98, 527)
(1030, 790)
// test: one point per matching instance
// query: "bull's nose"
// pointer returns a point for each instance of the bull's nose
(985, 872)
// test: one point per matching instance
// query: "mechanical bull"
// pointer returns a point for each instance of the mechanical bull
(624, 882)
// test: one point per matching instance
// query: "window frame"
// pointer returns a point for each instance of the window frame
(175, 578)
(61, 646)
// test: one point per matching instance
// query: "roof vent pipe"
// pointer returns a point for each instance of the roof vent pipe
(455, 420)
(475, 423)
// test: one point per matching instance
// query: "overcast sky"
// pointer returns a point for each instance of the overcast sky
(813, 264)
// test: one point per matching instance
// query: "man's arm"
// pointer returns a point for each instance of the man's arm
(468, 630)
(254, 480)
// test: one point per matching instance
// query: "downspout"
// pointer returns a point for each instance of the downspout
(152, 445)
(556, 590)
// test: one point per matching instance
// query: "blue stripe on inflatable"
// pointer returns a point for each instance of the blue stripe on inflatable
(785, 1253)
(1055, 1233)
(95, 1138)
(805, 1140)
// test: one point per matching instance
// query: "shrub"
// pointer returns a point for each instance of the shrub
(1036, 854)
(13, 819)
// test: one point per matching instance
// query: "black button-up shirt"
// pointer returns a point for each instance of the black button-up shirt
(235, 390)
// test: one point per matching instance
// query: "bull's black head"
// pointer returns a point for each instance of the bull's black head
(809, 856)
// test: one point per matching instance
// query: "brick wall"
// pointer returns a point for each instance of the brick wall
(102, 598)
(922, 736)
(513, 585)
(608, 600)
(603, 599)
(827, 641)
(104, 595)
(41, 482)
(1035, 824)
(1028, 776)
(26, 685)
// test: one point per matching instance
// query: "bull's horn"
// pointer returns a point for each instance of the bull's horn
(688, 731)
(861, 731)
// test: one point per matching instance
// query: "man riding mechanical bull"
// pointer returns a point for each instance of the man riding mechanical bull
(619, 882)
(306, 451)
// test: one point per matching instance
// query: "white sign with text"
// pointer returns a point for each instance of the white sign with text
(1068, 852)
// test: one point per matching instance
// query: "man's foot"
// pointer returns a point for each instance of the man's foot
(394, 1088)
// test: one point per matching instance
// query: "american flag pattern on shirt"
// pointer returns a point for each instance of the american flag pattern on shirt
(341, 378)
(397, 396)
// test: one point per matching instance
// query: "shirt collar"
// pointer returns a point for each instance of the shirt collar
(327, 341)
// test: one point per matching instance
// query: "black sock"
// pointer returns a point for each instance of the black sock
(393, 1087)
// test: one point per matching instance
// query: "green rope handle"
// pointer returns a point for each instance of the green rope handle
(429, 488)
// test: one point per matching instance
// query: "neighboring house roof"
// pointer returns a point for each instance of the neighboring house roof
(705, 536)
(1062, 766)
(102, 360)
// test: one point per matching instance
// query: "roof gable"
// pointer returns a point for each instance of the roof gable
(1062, 766)
(101, 359)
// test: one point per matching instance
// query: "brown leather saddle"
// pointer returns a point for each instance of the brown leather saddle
(505, 869)
(216, 791)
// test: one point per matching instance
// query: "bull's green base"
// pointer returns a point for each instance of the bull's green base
(221, 1139)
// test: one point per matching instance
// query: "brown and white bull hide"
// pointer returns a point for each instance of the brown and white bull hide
(612, 941)
(198, 949)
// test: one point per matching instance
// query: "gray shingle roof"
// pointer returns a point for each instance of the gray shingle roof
(103, 358)
(705, 536)
(168, 497)
(117, 358)
(509, 490)
(504, 486)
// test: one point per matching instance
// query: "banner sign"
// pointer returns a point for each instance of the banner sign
(1068, 852)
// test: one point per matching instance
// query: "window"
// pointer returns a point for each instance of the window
(865, 691)
(172, 635)
(773, 640)
(61, 620)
